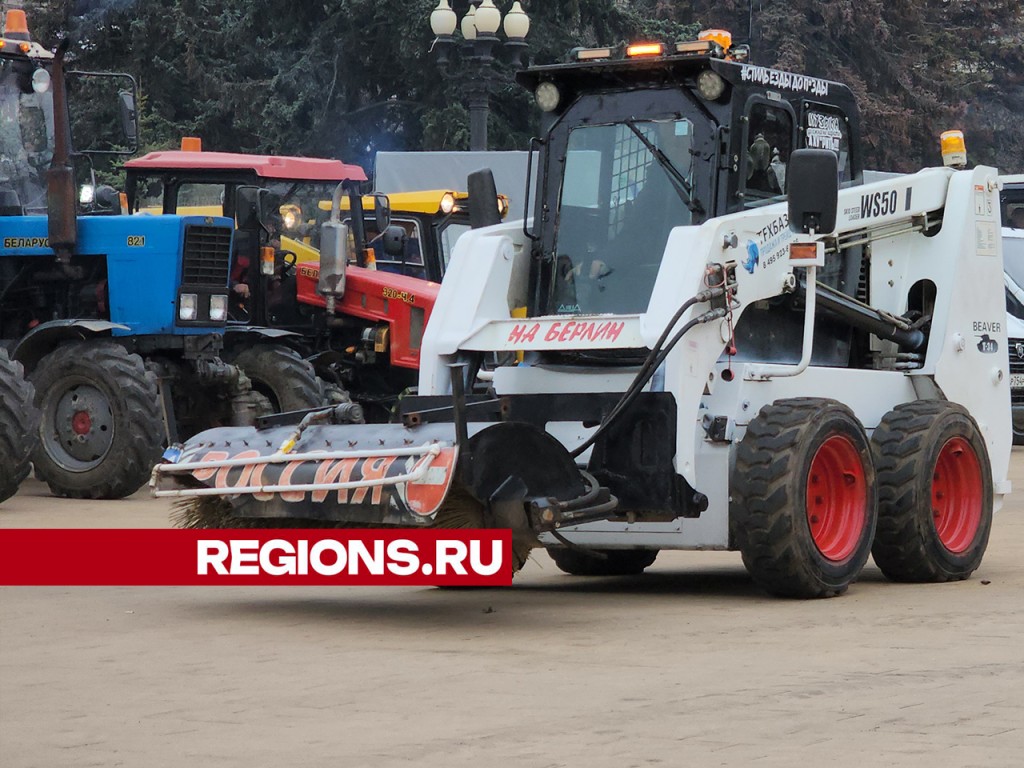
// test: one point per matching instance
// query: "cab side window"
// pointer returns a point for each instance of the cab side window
(827, 128)
(769, 145)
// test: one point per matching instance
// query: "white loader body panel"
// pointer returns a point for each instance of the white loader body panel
(965, 359)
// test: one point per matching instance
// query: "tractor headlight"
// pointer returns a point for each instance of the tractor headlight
(187, 303)
(710, 85)
(87, 194)
(447, 203)
(219, 308)
(547, 96)
(291, 216)
(40, 81)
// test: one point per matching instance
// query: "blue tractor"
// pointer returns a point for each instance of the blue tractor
(118, 320)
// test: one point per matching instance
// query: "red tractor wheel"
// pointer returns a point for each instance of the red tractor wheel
(803, 498)
(935, 493)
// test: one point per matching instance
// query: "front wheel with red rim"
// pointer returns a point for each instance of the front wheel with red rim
(803, 497)
(935, 493)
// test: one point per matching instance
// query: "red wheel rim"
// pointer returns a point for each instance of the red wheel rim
(837, 498)
(957, 494)
(81, 423)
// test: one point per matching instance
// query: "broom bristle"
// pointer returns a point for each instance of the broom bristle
(459, 510)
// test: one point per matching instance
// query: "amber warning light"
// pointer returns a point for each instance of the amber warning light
(644, 49)
(16, 25)
(954, 150)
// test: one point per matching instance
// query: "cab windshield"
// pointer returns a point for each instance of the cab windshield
(292, 208)
(26, 139)
(625, 186)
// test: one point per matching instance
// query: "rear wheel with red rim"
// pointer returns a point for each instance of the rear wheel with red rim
(935, 493)
(803, 497)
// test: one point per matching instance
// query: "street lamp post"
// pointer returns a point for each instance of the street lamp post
(479, 28)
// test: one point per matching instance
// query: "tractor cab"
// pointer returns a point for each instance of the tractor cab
(424, 227)
(31, 90)
(641, 139)
(274, 202)
(26, 120)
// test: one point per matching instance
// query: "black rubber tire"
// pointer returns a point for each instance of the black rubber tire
(282, 375)
(616, 562)
(770, 515)
(907, 445)
(128, 403)
(19, 425)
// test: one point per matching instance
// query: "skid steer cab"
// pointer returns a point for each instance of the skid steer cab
(297, 352)
(117, 320)
(708, 335)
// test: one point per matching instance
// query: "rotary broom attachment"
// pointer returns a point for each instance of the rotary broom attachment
(322, 474)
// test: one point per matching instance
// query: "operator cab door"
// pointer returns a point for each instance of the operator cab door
(768, 139)
(770, 128)
(609, 203)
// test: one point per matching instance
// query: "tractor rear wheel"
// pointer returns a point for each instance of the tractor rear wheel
(19, 425)
(101, 430)
(281, 374)
(804, 500)
(935, 493)
(615, 562)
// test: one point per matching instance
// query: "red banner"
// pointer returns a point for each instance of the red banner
(121, 557)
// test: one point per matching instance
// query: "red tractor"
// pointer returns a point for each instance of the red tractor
(300, 349)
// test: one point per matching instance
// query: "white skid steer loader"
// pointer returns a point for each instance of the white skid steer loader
(668, 355)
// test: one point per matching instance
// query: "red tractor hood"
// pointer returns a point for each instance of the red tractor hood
(404, 303)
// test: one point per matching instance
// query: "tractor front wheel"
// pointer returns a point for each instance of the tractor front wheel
(282, 375)
(804, 501)
(935, 493)
(101, 430)
(19, 423)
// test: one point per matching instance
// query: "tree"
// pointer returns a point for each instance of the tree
(351, 77)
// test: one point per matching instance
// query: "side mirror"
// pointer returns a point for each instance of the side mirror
(247, 208)
(381, 211)
(129, 116)
(483, 199)
(813, 183)
(394, 242)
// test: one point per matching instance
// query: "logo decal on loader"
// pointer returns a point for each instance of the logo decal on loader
(987, 344)
(753, 256)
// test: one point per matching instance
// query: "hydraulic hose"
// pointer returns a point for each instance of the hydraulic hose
(654, 359)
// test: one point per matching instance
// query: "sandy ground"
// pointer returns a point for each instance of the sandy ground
(686, 665)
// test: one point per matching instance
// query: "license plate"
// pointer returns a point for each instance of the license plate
(1017, 381)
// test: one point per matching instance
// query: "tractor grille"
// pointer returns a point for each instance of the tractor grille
(1016, 350)
(207, 257)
